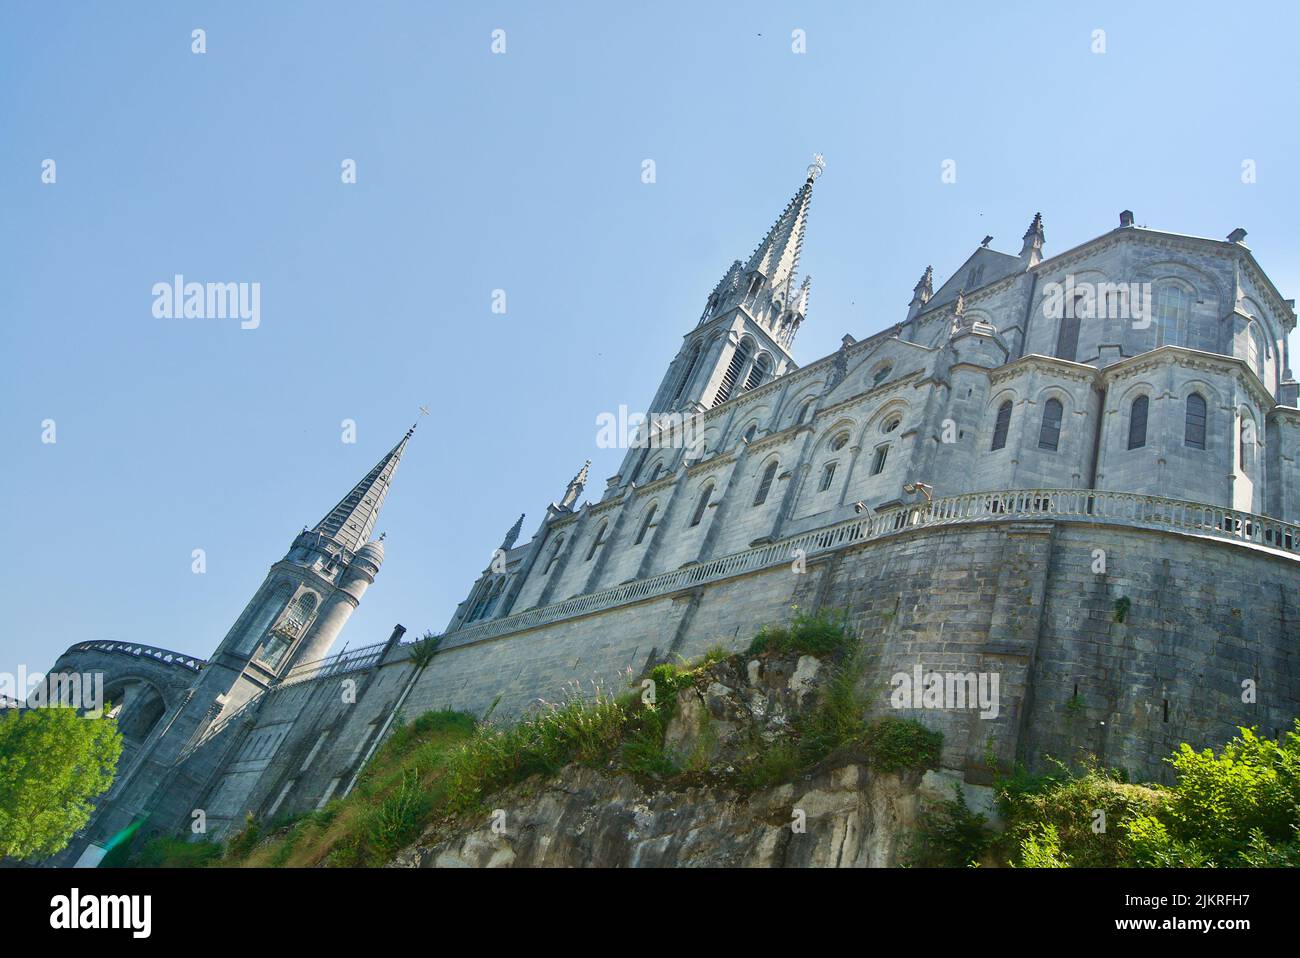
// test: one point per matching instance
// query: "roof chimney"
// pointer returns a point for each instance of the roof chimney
(1126, 218)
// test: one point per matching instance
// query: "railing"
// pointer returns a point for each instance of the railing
(1075, 505)
(352, 660)
(141, 651)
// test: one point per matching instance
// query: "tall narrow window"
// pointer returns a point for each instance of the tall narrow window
(804, 410)
(690, 371)
(828, 473)
(1001, 425)
(555, 555)
(1049, 434)
(765, 483)
(703, 504)
(1245, 438)
(599, 541)
(738, 360)
(758, 373)
(1137, 423)
(645, 523)
(1255, 351)
(496, 596)
(1067, 342)
(1171, 309)
(1194, 426)
(878, 462)
(654, 473)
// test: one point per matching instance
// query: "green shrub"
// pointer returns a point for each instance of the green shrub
(245, 840)
(895, 744)
(951, 836)
(1041, 848)
(822, 634)
(423, 648)
(166, 852)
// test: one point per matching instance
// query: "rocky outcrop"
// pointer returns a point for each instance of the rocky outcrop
(850, 818)
(840, 813)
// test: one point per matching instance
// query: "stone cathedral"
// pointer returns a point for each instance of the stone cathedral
(979, 485)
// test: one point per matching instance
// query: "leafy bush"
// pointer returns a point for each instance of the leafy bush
(952, 836)
(165, 852)
(423, 648)
(1239, 807)
(823, 633)
(895, 744)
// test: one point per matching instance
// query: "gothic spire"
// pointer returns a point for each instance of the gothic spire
(924, 287)
(777, 257)
(576, 485)
(1032, 251)
(351, 521)
(509, 541)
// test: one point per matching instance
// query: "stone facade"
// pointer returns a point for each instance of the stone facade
(1150, 420)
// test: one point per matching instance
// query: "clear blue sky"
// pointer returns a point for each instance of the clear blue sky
(521, 172)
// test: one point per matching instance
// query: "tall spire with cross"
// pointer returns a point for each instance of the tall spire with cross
(351, 521)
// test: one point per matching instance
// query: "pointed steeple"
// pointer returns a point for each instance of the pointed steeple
(576, 485)
(1032, 251)
(921, 292)
(777, 257)
(351, 521)
(509, 541)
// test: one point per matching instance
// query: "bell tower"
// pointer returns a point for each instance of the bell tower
(744, 337)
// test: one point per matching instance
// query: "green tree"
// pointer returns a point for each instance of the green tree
(53, 763)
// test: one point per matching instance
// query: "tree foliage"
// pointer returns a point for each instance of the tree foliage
(53, 763)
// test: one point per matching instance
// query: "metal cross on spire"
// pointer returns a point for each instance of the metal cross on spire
(817, 167)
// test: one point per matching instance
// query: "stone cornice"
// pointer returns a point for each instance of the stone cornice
(1060, 367)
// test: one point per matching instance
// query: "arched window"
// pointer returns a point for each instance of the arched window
(646, 522)
(892, 423)
(738, 360)
(765, 483)
(840, 441)
(975, 277)
(758, 373)
(804, 410)
(750, 433)
(555, 555)
(878, 461)
(1000, 426)
(654, 473)
(828, 474)
(690, 371)
(881, 372)
(1171, 315)
(1255, 351)
(1067, 341)
(1049, 434)
(703, 504)
(1137, 423)
(301, 611)
(599, 541)
(1194, 425)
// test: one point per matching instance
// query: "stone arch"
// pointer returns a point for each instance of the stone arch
(1203, 306)
(137, 703)
(646, 521)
